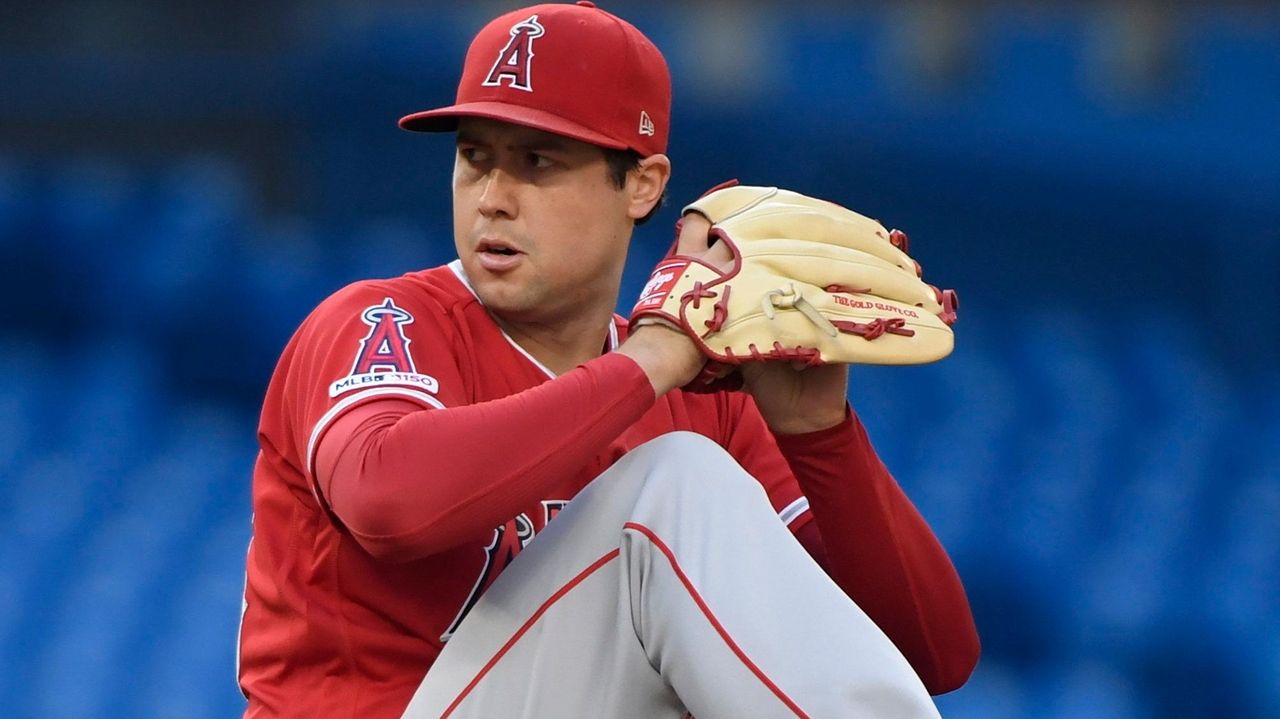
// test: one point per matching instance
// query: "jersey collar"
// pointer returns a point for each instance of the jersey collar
(611, 342)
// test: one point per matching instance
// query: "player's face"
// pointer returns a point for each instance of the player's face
(539, 226)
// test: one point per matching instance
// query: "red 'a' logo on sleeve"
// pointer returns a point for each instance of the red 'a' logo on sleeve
(385, 349)
(515, 61)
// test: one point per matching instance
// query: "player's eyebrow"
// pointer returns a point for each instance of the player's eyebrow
(538, 142)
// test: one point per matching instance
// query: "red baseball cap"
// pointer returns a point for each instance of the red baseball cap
(574, 70)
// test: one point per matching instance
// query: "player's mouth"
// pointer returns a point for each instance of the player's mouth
(497, 256)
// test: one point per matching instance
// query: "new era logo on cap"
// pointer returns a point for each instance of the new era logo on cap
(598, 79)
(515, 61)
(646, 124)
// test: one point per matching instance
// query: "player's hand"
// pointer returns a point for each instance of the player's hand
(784, 277)
(692, 242)
(793, 398)
(667, 355)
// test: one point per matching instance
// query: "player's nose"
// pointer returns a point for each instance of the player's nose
(498, 195)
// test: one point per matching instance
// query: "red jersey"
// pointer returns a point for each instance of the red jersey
(328, 628)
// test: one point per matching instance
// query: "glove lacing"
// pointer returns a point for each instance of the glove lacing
(790, 298)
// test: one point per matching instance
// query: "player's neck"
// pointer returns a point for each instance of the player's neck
(564, 343)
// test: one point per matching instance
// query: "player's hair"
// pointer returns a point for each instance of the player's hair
(620, 162)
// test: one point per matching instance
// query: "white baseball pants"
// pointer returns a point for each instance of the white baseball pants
(668, 586)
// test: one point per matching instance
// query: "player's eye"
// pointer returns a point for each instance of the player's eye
(471, 154)
(539, 161)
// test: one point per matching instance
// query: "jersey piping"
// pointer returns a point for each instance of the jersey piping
(793, 511)
(349, 402)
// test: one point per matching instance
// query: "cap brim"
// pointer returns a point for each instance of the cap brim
(445, 119)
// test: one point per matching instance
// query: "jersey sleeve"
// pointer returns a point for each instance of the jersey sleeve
(367, 342)
(750, 442)
(396, 447)
(883, 554)
(410, 483)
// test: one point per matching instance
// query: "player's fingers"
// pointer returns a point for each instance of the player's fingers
(693, 235)
(719, 256)
(693, 239)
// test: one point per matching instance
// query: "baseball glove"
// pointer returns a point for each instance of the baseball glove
(811, 282)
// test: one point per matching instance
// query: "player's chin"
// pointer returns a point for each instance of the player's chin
(502, 293)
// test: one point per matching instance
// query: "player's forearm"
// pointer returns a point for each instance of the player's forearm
(666, 356)
(412, 485)
(884, 555)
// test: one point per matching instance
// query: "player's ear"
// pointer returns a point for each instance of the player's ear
(646, 183)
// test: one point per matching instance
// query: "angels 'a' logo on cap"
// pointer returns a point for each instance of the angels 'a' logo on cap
(515, 61)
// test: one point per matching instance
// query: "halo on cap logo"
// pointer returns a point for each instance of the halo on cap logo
(515, 60)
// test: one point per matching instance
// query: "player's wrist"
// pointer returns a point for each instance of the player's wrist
(806, 423)
(666, 355)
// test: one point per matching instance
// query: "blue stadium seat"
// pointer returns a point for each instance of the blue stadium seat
(995, 691)
(187, 249)
(92, 207)
(118, 396)
(282, 278)
(99, 618)
(1083, 688)
(190, 661)
(389, 248)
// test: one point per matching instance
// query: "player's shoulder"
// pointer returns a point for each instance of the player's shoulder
(434, 292)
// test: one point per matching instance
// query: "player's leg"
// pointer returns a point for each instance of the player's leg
(552, 637)
(733, 612)
(670, 572)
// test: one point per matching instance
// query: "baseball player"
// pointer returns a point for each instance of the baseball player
(719, 552)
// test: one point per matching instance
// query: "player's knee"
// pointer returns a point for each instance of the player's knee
(679, 451)
(678, 457)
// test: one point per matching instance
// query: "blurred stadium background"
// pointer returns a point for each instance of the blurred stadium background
(181, 183)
